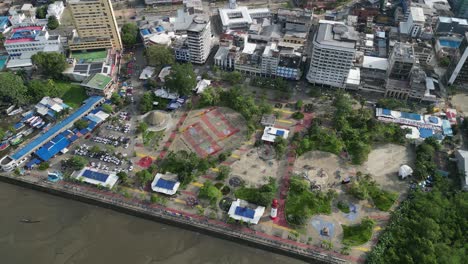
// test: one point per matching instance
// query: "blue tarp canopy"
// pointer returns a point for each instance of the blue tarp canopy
(245, 212)
(165, 184)
(18, 125)
(73, 138)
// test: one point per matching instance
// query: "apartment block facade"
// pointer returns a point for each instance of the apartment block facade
(95, 25)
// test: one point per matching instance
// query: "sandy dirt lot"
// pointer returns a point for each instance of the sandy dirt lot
(460, 101)
(254, 170)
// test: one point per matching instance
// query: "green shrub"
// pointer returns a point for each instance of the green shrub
(343, 206)
(356, 235)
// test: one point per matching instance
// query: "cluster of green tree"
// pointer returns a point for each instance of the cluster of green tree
(52, 23)
(41, 12)
(363, 188)
(391, 103)
(354, 131)
(280, 146)
(75, 163)
(239, 100)
(318, 138)
(430, 227)
(129, 34)
(223, 172)
(187, 166)
(182, 79)
(259, 196)
(233, 78)
(50, 64)
(302, 203)
(12, 89)
(270, 83)
(159, 56)
(424, 165)
(81, 124)
(209, 192)
(359, 234)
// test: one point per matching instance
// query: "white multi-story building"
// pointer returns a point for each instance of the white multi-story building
(27, 41)
(199, 39)
(241, 17)
(333, 50)
(416, 21)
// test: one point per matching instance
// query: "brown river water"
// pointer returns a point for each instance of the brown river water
(71, 232)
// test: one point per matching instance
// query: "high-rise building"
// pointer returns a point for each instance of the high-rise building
(460, 8)
(333, 50)
(400, 61)
(457, 72)
(95, 25)
(199, 39)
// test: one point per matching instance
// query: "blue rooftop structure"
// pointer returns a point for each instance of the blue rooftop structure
(411, 116)
(280, 132)
(65, 123)
(94, 175)
(449, 43)
(447, 128)
(425, 132)
(386, 111)
(245, 212)
(46, 153)
(145, 32)
(32, 162)
(165, 184)
(3, 22)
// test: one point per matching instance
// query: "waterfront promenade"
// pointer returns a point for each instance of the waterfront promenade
(145, 209)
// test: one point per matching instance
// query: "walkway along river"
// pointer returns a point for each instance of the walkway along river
(215, 228)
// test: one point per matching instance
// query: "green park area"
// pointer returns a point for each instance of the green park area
(359, 234)
(71, 94)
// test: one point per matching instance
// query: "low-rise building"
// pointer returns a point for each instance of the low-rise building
(24, 42)
(243, 211)
(96, 177)
(55, 9)
(98, 84)
(81, 65)
(165, 183)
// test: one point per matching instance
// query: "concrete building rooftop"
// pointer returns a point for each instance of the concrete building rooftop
(97, 81)
(336, 34)
(417, 14)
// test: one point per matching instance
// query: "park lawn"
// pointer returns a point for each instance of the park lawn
(359, 234)
(71, 94)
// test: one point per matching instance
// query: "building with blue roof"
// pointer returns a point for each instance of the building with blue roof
(9, 162)
(270, 133)
(97, 177)
(165, 183)
(246, 212)
(4, 24)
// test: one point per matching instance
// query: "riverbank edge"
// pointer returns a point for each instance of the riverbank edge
(218, 232)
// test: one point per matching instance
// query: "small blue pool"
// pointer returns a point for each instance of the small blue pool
(449, 43)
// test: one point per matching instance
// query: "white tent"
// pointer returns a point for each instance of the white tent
(405, 171)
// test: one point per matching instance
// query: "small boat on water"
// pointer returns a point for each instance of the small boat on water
(29, 221)
(15, 112)
(4, 145)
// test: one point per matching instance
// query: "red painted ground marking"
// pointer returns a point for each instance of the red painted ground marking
(203, 138)
(208, 177)
(189, 193)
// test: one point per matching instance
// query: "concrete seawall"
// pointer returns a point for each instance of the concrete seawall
(144, 210)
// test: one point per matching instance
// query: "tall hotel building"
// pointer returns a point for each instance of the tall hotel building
(95, 24)
(333, 50)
